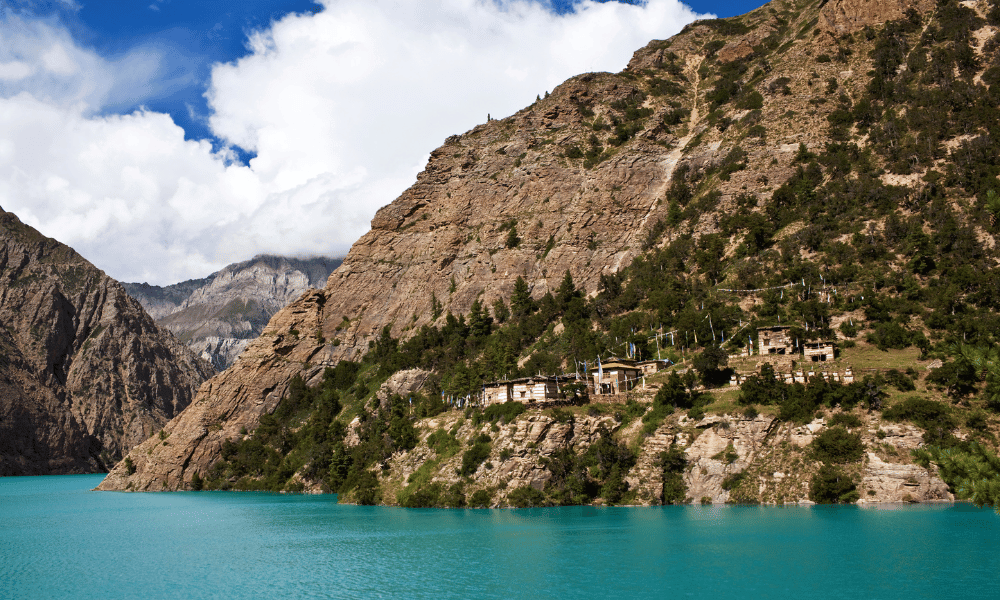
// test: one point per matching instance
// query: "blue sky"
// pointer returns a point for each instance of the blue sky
(166, 138)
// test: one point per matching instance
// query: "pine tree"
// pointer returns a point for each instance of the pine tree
(521, 303)
(435, 307)
(500, 311)
(566, 290)
(480, 321)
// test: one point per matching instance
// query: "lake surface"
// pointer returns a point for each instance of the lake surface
(60, 540)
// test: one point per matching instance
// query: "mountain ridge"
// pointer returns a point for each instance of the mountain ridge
(795, 143)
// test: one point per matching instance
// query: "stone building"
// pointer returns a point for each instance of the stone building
(775, 340)
(525, 389)
(616, 378)
(820, 351)
(497, 392)
(649, 367)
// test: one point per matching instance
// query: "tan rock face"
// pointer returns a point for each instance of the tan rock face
(841, 17)
(401, 383)
(890, 482)
(776, 470)
(446, 237)
(87, 374)
(525, 443)
(706, 469)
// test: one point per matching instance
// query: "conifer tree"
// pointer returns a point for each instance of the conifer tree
(521, 303)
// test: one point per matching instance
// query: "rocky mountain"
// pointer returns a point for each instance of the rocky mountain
(219, 315)
(85, 373)
(829, 164)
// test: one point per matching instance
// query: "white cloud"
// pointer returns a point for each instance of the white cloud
(341, 108)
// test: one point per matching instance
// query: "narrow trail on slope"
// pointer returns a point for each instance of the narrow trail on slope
(674, 157)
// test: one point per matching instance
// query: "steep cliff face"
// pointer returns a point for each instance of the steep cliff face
(584, 181)
(220, 315)
(87, 374)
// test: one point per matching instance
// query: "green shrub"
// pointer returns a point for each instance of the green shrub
(561, 415)
(525, 497)
(957, 377)
(899, 380)
(129, 466)
(977, 421)
(697, 413)
(513, 241)
(367, 491)
(732, 480)
(924, 413)
(751, 101)
(654, 418)
(727, 455)
(443, 443)
(508, 411)
(797, 406)
(836, 445)
(831, 485)
(481, 499)
(761, 388)
(890, 335)
(849, 329)
(674, 393)
(474, 456)
(454, 496)
(614, 486)
(425, 497)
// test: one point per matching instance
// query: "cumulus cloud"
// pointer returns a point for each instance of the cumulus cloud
(340, 108)
(41, 58)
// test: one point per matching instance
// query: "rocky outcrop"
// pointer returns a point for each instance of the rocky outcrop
(727, 446)
(516, 456)
(730, 459)
(842, 17)
(220, 315)
(894, 482)
(401, 383)
(85, 373)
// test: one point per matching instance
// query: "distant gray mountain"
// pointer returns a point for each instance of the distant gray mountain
(219, 315)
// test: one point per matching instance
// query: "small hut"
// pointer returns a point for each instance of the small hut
(534, 389)
(821, 351)
(775, 340)
(618, 377)
(497, 392)
(649, 367)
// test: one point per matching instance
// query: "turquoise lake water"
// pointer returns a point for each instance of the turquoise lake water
(60, 540)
